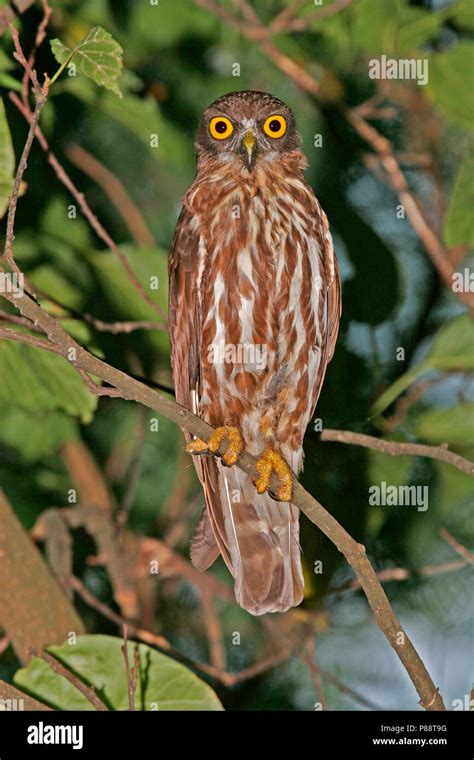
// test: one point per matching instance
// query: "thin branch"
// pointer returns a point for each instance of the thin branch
(116, 328)
(308, 656)
(115, 191)
(396, 448)
(87, 691)
(402, 574)
(457, 546)
(39, 39)
(130, 672)
(85, 208)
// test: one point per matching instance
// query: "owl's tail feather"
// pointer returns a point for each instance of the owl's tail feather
(257, 537)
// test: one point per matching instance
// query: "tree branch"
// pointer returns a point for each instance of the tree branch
(397, 448)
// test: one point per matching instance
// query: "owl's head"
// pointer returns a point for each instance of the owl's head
(249, 125)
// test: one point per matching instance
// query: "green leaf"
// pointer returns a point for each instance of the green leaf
(148, 265)
(452, 349)
(454, 425)
(163, 683)
(142, 117)
(98, 57)
(34, 436)
(393, 470)
(7, 161)
(39, 381)
(458, 226)
(450, 78)
(392, 27)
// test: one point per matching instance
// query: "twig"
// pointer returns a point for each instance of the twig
(85, 208)
(308, 656)
(40, 35)
(396, 448)
(402, 574)
(115, 191)
(457, 546)
(87, 691)
(117, 328)
(131, 672)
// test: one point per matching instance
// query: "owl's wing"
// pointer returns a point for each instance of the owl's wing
(330, 306)
(184, 325)
(185, 338)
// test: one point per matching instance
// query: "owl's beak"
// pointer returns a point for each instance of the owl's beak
(248, 149)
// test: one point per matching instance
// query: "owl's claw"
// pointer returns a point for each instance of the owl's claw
(272, 462)
(231, 434)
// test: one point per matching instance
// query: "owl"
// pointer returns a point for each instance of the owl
(254, 309)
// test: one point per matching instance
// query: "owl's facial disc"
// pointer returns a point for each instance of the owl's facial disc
(248, 149)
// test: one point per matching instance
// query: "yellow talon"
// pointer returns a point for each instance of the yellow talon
(232, 435)
(272, 462)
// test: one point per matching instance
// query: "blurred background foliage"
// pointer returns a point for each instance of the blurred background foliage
(178, 58)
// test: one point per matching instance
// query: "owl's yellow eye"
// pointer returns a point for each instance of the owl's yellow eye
(221, 127)
(275, 126)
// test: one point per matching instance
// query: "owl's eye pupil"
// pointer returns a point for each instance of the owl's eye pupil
(220, 127)
(274, 126)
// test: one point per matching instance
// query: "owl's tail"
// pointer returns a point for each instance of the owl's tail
(257, 537)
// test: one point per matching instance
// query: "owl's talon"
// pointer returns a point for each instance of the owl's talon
(229, 433)
(272, 462)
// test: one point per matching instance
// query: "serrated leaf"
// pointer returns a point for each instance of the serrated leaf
(459, 227)
(452, 349)
(163, 683)
(98, 57)
(454, 426)
(7, 161)
(39, 381)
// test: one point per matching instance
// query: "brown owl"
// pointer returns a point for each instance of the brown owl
(254, 314)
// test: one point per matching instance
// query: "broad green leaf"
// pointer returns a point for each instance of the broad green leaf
(459, 224)
(454, 426)
(142, 117)
(393, 26)
(151, 268)
(98, 57)
(7, 161)
(451, 76)
(452, 349)
(163, 683)
(34, 436)
(36, 381)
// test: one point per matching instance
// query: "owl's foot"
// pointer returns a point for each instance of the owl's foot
(235, 444)
(272, 462)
